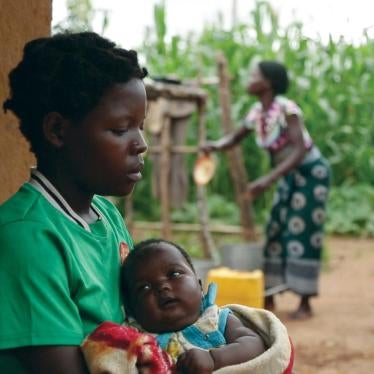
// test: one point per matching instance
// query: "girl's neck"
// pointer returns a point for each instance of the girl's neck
(266, 100)
(78, 200)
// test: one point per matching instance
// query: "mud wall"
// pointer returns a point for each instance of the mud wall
(20, 21)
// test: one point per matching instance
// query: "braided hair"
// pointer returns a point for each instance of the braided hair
(68, 74)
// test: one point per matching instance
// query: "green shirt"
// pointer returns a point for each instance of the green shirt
(58, 280)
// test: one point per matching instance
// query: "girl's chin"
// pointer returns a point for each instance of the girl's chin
(126, 190)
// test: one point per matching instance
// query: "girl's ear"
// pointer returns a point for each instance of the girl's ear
(54, 128)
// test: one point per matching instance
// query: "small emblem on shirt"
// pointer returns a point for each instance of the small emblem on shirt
(123, 251)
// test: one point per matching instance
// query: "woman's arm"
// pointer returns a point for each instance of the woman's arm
(296, 139)
(52, 359)
(227, 141)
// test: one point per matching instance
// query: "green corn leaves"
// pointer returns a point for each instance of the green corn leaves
(333, 82)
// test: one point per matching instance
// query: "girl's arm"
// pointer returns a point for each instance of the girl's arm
(227, 141)
(296, 139)
(52, 359)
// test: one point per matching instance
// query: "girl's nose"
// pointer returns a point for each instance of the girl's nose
(140, 148)
(139, 144)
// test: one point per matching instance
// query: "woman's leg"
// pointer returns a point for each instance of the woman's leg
(274, 250)
(304, 309)
(269, 303)
(305, 233)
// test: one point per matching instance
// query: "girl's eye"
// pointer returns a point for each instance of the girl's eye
(119, 132)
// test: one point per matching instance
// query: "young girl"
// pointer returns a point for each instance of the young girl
(164, 297)
(295, 230)
(81, 104)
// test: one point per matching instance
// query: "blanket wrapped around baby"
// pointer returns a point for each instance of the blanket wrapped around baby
(116, 349)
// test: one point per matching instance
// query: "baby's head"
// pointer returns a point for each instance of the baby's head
(160, 286)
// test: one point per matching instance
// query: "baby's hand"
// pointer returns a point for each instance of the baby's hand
(195, 361)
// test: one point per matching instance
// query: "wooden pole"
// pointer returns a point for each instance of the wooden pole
(235, 156)
(165, 165)
(188, 227)
(202, 206)
(175, 149)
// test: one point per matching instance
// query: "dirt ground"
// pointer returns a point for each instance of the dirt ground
(339, 338)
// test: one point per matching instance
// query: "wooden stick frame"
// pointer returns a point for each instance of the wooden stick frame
(165, 150)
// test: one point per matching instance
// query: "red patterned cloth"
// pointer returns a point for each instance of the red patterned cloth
(116, 349)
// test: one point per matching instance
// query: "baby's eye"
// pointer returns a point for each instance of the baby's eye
(175, 274)
(144, 288)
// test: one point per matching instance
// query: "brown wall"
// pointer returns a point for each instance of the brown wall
(20, 21)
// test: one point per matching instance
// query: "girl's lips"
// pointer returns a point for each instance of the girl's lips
(135, 176)
(135, 172)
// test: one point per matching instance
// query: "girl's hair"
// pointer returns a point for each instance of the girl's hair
(68, 74)
(140, 251)
(276, 73)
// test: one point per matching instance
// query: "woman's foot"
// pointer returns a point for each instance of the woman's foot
(269, 303)
(304, 311)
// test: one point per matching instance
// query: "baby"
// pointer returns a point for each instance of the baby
(164, 296)
(167, 311)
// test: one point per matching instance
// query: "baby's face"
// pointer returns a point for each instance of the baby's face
(165, 293)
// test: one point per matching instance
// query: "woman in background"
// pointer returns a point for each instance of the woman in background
(294, 231)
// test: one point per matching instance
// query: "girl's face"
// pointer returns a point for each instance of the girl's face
(257, 84)
(103, 153)
(165, 293)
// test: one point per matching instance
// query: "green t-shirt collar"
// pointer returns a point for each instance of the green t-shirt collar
(46, 188)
